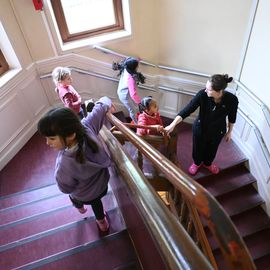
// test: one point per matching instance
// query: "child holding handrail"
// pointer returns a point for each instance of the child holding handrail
(149, 116)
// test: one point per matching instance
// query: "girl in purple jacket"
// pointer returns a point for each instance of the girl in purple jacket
(82, 164)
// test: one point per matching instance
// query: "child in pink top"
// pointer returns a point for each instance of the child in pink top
(149, 116)
(127, 88)
(68, 95)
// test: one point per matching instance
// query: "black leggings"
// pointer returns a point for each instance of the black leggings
(205, 149)
(96, 204)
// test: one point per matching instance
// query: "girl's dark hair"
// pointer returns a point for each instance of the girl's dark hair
(145, 103)
(219, 82)
(64, 122)
(130, 64)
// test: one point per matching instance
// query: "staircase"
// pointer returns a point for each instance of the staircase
(235, 189)
(40, 228)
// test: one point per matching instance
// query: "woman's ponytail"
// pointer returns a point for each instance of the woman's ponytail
(227, 78)
(220, 82)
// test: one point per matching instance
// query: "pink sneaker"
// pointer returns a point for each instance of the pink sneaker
(82, 210)
(214, 169)
(193, 169)
(103, 224)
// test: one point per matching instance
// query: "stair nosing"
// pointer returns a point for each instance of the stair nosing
(237, 163)
(29, 203)
(38, 200)
(70, 251)
(244, 209)
(33, 217)
(231, 190)
(24, 191)
(48, 232)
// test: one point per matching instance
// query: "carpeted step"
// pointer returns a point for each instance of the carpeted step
(129, 266)
(240, 200)
(29, 196)
(17, 214)
(58, 241)
(114, 252)
(245, 224)
(227, 181)
(259, 243)
(251, 221)
(39, 225)
(263, 263)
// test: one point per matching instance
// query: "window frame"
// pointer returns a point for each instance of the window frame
(4, 67)
(63, 28)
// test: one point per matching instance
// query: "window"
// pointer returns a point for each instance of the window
(78, 19)
(3, 64)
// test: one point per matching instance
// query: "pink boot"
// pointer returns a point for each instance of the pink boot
(103, 224)
(214, 169)
(193, 169)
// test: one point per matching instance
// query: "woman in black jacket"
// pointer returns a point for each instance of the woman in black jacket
(216, 106)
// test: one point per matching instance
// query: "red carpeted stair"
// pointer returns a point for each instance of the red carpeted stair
(47, 231)
(235, 189)
(40, 229)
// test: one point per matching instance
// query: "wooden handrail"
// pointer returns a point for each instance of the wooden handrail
(176, 247)
(231, 244)
(105, 50)
(164, 135)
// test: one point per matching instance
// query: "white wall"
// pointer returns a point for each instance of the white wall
(204, 36)
(22, 98)
(255, 73)
(254, 76)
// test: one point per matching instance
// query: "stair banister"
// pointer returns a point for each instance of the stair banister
(231, 244)
(97, 75)
(176, 247)
(105, 50)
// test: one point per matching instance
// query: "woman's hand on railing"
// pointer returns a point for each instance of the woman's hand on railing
(169, 129)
